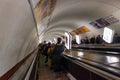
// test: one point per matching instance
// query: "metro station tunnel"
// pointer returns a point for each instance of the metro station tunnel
(59, 39)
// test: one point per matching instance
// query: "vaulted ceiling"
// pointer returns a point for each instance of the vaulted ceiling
(71, 14)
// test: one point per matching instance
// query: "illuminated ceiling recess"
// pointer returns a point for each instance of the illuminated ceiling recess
(71, 14)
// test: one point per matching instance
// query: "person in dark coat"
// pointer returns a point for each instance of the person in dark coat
(57, 56)
(86, 40)
(92, 40)
(116, 38)
(99, 39)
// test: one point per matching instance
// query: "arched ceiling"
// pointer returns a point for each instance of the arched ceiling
(71, 14)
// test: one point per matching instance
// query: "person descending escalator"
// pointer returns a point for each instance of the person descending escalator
(56, 56)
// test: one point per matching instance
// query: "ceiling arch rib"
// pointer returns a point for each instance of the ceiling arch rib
(57, 30)
(47, 38)
(65, 25)
(52, 33)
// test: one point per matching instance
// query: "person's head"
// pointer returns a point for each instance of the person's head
(116, 34)
(44, 42)
(59, 40)
(99, 35)
(49, 43)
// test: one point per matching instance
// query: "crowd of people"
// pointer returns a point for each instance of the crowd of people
(97, 40)
(53, 54)
(93, 40)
